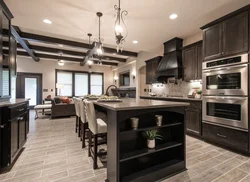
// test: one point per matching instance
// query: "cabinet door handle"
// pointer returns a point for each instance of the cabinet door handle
(20, 109)
(223, 136)
(20, 118)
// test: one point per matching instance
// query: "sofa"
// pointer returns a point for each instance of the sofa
(62, 109)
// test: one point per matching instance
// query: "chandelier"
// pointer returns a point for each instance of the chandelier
(120, 27)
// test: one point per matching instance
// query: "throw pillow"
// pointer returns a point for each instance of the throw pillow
(57, 100)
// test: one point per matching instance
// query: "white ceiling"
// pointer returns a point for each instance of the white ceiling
(148, 20)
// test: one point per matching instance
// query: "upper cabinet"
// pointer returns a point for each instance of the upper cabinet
(151, 66)
(192, 61)
(226, 36)
(235, 34)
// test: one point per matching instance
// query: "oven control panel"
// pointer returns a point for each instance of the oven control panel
(224, 62)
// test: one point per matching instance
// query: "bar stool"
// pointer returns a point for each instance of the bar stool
(97, 128)
(76, 102)
(84, 123)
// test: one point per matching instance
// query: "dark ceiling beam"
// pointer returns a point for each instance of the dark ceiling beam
(69, 52)
(23, 44)
(47, 56)
(46, 39)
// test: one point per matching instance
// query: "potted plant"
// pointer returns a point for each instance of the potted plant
(198, 94)
(151, 135)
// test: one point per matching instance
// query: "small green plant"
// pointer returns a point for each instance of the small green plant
(152, 134)
(198, 91)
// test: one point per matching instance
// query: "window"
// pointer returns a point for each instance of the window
(65, 81)
(81, 84)
(6, 87)
(76, 83)
(96, 84)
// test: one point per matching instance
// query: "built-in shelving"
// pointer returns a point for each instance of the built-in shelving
(146, 151)
(150, 127)
(144, 175)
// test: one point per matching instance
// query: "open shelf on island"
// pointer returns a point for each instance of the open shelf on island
(166, 169)
(151, 127)
(146, 151)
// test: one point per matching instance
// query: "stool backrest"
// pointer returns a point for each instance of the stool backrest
(82, 111)
(90, 113)
(76, 102)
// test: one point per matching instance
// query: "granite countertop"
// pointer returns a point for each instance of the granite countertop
(172, 98)
(131, 104)
(12, 102)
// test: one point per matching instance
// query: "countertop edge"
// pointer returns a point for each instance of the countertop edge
(171, 98)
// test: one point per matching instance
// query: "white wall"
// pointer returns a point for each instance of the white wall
(47, 68)
(192, 39)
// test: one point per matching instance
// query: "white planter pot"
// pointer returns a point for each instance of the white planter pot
(198, 96)
(151, 144)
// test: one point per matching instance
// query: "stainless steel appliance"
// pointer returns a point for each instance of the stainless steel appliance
(227, 76)
(226, 110)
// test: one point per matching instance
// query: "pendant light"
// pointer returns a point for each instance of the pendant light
(89, 62)
(120, 27)
(99, 46)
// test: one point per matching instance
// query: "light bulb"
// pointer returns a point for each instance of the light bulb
(61, 63)
(90, 62)
(99, 51)
(118, 29)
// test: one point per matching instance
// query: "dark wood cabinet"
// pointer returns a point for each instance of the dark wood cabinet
(235, 34)
(151, 66)
(193, 121)
(192, 61)
(15, 122)
(227, 137)
(189, 59)
(226, 36)
(212, 42)
(14, 138)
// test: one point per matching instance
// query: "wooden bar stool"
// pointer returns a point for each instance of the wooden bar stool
(97, 128)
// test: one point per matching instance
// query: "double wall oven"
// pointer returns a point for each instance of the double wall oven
(225, 90)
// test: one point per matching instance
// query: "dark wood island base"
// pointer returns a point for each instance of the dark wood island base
(128, 157)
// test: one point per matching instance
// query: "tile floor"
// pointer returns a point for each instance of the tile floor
(53, 153)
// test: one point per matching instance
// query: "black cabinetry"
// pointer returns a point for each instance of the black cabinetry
(151, 66)
(192, 61)
(14, 125)
(226, 36)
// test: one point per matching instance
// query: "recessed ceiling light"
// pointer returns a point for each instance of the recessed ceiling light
(135, 41)
(47, 21)
(173, 16)
(114, 53)
(60, 45)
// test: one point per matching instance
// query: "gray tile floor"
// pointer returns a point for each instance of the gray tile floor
(53, 153)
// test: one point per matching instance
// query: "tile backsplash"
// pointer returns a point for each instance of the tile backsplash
(177, 88)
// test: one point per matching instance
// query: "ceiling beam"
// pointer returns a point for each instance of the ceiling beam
(23, 44)
(47, 56)
(46, 39)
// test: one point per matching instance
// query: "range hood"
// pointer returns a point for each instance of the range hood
(171, 63)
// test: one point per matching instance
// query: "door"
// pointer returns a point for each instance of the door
(226, 110)
(14, 137)
(235, 34)
(190, 63)
(29, 85)
(212, 42)
(199, 62)
(193, 120)
(22, 129)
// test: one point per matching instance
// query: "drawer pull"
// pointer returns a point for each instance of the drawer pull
(20, 118)
(20, 109)
(223, 136)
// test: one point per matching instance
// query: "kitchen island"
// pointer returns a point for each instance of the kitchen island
(128, 157)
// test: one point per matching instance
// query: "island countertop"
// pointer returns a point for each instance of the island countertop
(12, 102)
(131, 104)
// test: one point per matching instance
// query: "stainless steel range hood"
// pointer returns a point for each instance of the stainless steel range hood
(171, 63)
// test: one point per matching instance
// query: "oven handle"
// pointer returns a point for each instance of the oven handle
(225, 68)
(224, 98)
